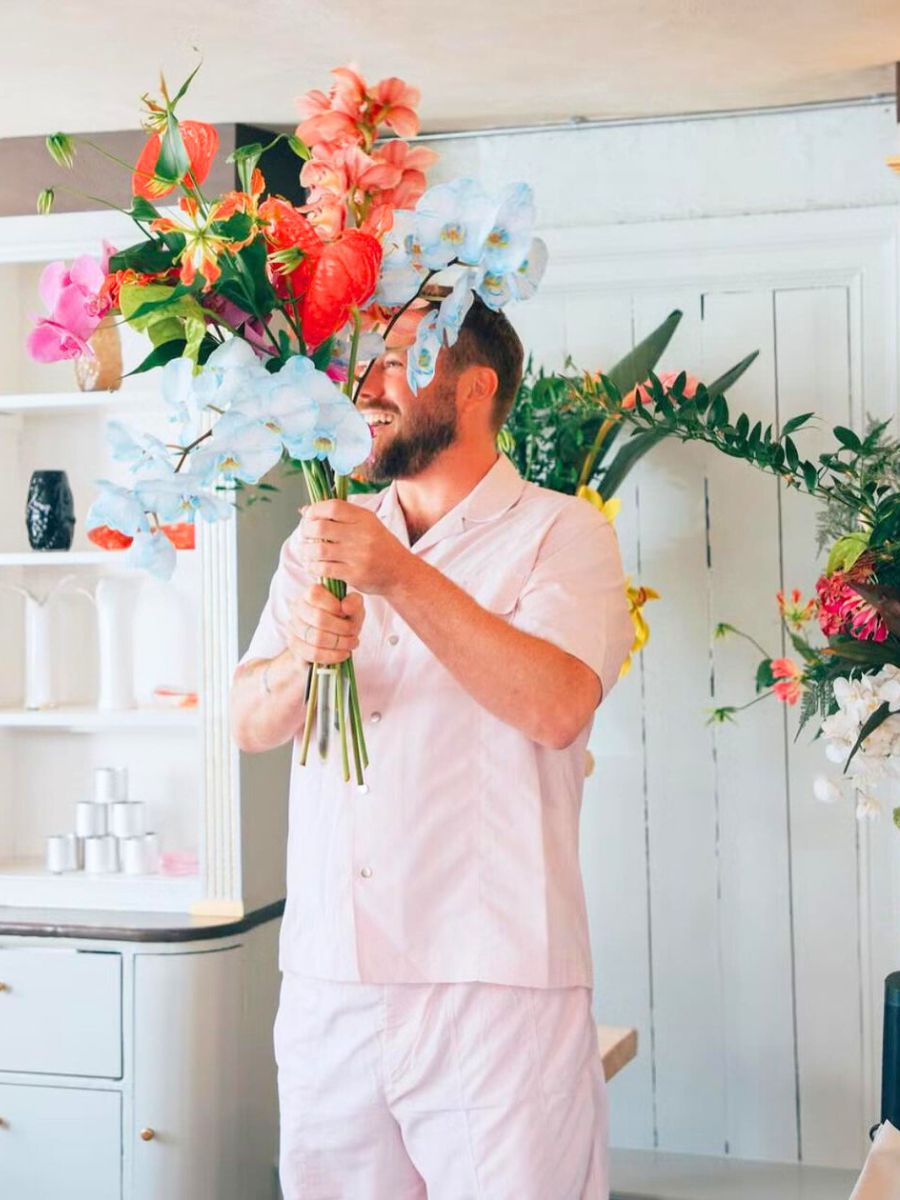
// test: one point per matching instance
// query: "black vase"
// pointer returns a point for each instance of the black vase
(50, 511)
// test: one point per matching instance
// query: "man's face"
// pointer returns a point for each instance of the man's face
(408, 430)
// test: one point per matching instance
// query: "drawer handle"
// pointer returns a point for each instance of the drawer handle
(148, 1134)
(4, 987)
(4, 1124)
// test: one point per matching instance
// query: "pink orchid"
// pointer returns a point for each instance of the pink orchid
(74, 299)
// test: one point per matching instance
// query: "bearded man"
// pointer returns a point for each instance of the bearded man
(434, 1034)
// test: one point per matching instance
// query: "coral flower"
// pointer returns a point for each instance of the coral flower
(788, 676)
(411, 163)
(395, 104)
(667, 380)
(201, 141)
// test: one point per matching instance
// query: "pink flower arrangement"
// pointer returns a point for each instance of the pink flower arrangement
(345, 169)
(76, 303)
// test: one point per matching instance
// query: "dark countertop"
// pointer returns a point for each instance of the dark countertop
(115, 926)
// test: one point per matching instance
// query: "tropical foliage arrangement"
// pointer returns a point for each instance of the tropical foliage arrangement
(261, 314)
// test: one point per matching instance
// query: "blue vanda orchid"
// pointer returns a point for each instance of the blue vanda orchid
(455, 307)
(182, 407)
(497, 288)
(226, 375)
(118, 507)
(153, 552)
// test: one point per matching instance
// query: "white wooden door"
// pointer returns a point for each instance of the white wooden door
(744, 928)
(60, 1142)
(184, 1139)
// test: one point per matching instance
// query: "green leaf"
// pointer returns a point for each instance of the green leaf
(718, 413)
(635, 367)
(165, 313)
(742, 426)
(246, 158)
(846, 550)
(795, 423)
(764, 677)
(793, 458)
(810, 476)
(299, 147)
(729, 379)
(897, 817)
(187, 83)
(45, 201)
(626, 457)
(847, 437)
(146, 257)
(143, 210)
(878, 717)
(159, 356)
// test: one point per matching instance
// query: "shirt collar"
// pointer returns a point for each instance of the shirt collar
(494, 494)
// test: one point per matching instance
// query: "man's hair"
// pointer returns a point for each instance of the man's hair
(487, 339)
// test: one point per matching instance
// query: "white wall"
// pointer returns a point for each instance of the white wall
(743, 927)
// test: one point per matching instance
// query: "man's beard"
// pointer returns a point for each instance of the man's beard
(409, 453)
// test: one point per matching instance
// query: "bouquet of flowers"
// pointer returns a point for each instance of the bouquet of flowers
(566, 430)
(261, 313)
(853, 682)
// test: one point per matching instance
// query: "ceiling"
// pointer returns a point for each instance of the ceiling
(80, 65)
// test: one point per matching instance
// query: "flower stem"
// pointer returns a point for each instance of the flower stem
(310, 710)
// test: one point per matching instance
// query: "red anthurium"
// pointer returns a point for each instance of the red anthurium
(343, 277)
(201, 141)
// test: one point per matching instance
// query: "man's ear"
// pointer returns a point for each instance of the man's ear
(479, 386)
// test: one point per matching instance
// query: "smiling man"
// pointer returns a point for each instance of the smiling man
(434, 1034)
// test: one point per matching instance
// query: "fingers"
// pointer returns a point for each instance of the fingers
(318, 596)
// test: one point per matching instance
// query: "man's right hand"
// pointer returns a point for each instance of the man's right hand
(322, 628)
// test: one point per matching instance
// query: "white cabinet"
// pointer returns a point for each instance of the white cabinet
(184, 1021)
(187, 1099)
(61, 1011)
(60, 1142)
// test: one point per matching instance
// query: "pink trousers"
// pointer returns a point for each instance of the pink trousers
(450, 1091)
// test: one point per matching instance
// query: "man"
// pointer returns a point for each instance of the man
(434, 1035)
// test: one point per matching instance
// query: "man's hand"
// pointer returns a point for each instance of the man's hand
(341, 540)
(322, 628)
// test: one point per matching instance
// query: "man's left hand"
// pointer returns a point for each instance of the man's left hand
(357, 546)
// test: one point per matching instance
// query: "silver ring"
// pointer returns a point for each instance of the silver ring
(305, 632)
(337, 641)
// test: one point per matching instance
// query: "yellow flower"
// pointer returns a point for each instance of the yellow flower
(609, 508)
(637, 598)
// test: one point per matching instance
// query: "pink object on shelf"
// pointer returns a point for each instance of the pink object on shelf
(179, 862)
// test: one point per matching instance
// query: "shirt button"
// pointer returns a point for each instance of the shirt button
(393, 639)
(366, 872)
(375, 718)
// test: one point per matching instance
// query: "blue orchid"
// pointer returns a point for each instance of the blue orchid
(452, 222)
(240, 448)
(422, 356)
(341, 434)
(226, 375)
(119, 508)
(180, 400)
(180, 497)
(141, 451)
(370, 345)
(152, 552)
(455, 307)
(509, 236)
(497, 288)
(402, 272)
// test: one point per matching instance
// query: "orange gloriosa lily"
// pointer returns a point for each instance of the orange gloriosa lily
(203, 246)
(201, 141)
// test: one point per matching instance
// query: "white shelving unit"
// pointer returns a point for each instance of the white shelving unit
(186, 634)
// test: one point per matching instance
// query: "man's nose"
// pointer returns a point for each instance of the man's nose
(372, 387)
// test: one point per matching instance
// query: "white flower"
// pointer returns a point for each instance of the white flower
(867, 808)
(826, 790)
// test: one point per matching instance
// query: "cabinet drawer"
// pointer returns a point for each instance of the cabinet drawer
(57, 1142)
(60, 1012)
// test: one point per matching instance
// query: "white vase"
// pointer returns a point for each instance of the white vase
(114, 599)
(38, 661)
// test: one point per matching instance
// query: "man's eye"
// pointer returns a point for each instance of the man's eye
(393, 362)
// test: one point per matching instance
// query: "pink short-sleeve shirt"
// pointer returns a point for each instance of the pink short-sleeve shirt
(460, 861)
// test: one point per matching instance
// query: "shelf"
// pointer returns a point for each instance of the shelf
(25, 882)
(51, 403)
(69, 558)
(90, 719)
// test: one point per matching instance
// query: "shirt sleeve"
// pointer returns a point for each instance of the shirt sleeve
(289, 580)
(575, 595)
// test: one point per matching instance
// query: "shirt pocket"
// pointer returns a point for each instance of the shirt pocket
(498, 593)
